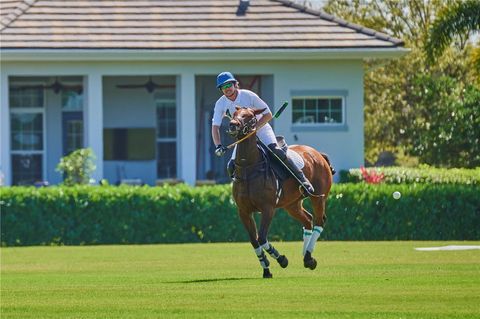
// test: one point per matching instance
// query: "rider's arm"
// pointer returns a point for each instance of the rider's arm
(264, 119)
(218, 114)
(258, 104)
(216, 135)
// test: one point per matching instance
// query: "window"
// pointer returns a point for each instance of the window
(73, 135)
(21, 97)
(72, 100)
(27, 169)
(166, 134)
(318, 110)
(27, 133)
(72, 117)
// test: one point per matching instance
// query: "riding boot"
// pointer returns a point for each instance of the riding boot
(231, 168)
(299, 174)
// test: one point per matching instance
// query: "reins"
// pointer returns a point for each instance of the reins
(276, 115)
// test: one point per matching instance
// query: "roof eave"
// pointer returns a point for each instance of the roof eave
(8, 55)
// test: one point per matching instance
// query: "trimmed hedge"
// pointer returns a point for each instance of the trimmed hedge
(174, 214)
(422, 174)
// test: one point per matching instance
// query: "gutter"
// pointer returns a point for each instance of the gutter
(14, 55)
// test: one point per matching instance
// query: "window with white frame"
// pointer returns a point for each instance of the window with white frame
(72, 117)
(166, 109)
(27, 133)
(316, 110)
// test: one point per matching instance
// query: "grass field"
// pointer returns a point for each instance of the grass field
(352, 280)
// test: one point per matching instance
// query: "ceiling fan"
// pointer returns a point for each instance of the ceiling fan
(56, 86)
(150, 86)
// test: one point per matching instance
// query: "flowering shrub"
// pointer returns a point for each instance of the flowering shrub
(77, 166)
(371, 176)
(414, 175)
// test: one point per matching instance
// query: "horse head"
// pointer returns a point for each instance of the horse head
(243, 122)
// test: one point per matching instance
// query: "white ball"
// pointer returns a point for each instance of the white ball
(396, 195)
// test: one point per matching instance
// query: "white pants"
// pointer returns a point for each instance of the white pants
(265, 135)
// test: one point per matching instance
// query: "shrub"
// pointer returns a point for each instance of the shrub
(77, 166)
(422, 174)
(173, 214)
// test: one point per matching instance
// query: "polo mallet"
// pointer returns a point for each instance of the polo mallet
(276, 115)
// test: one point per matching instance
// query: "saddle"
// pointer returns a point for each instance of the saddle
(278, 168)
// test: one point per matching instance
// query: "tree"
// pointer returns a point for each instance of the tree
(457, 21)
(396, 108)
(447, 130)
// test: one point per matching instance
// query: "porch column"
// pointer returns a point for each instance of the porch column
(5, 167)
(94, 120)
(187, 114)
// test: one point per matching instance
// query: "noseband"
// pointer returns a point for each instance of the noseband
(241, 128)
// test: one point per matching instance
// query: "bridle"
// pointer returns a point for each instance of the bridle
(242, 129)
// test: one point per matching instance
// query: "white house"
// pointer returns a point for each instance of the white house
(135, 81)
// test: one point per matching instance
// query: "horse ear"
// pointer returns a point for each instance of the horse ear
(237, 108)
(256, 112)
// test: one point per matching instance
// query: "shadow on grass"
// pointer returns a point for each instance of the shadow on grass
(208, 280)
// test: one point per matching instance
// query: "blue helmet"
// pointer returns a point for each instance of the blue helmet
(223, 78)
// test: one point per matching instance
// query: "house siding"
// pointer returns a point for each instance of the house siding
(281, 78)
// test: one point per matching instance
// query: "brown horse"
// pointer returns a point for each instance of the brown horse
(255, 190)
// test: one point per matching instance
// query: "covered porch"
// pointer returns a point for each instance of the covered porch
(143, 128)
(132, 128)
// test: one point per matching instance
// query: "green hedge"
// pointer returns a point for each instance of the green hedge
(423, 174)
(173, 214)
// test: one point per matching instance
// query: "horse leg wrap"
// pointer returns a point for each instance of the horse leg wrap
(317, 230)
(271, 250)
(307, 234)
(262, 258)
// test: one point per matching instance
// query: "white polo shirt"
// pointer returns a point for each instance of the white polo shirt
(245, 98)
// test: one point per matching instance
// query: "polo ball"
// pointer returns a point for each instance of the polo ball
(396, 195)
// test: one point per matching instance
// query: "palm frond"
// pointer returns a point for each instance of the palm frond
(460, 19)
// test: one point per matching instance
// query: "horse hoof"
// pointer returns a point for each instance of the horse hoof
(310, 263)
(267, 273)
(283, 261)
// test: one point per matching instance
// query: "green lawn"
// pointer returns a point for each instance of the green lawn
(352, 280)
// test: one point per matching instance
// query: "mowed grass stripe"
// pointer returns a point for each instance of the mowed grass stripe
(352, 280)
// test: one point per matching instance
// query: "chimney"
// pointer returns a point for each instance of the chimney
(242, 7)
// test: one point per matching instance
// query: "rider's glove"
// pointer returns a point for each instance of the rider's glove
(220, 150)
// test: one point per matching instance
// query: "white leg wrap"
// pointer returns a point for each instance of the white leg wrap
(261, 257)
(270, 250)
(307, 234)
(265, 246)
(317, 230)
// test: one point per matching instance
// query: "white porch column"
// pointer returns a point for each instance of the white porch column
(187, 115)
(5, 167)
(94, 120)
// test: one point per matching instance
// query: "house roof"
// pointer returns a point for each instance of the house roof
(179, 24)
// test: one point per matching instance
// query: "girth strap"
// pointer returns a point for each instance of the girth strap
(250, 171)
